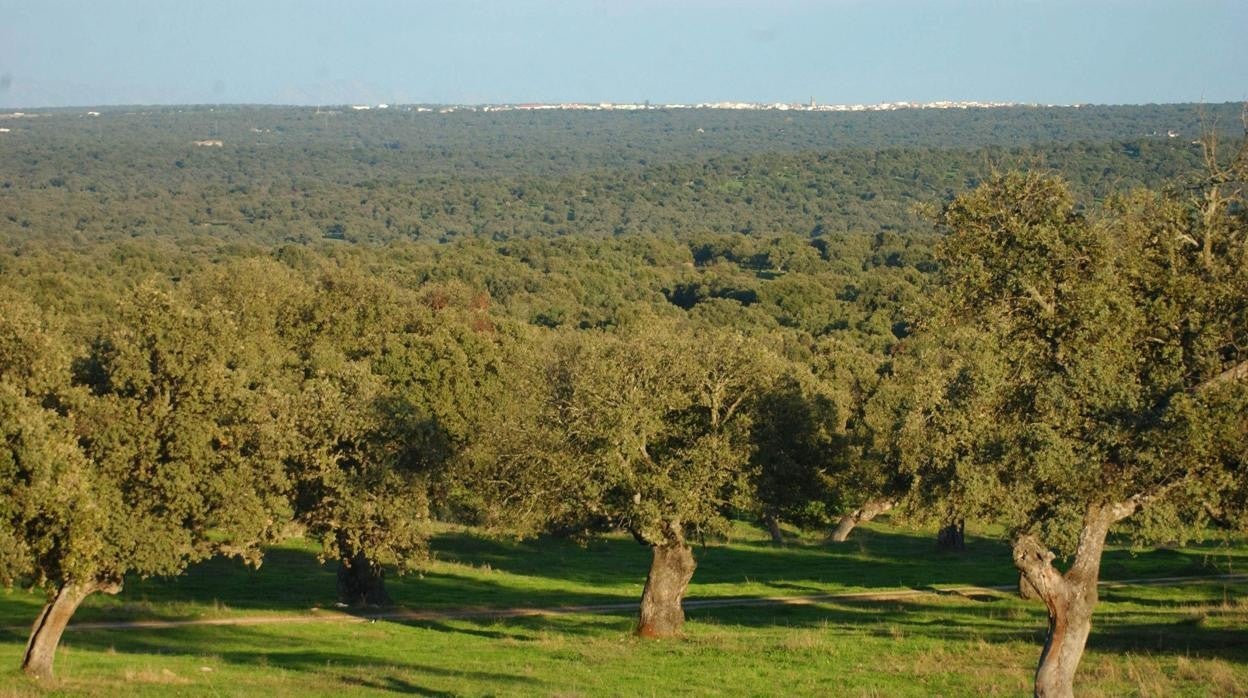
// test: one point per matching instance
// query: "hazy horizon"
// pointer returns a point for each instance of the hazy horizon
(655, 105)
(67, 53)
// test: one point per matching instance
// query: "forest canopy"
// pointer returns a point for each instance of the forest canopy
(351, 325)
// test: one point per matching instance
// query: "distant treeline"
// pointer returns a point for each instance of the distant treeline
(77, 191)
(346, 146)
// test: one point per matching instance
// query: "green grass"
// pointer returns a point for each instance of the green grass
(1176, 640)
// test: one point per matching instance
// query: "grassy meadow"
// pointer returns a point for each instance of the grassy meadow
(1188, 638)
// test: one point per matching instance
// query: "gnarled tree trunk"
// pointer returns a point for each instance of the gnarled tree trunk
(45, 634)
(1070, 597)
(773, 528)
(1026, 591)
(869, 511)
(952, 536)
(670, 572)
(361, 581)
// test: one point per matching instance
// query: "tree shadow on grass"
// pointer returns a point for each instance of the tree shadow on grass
(532, 628)
(876, 558)
(610, 570)
(290, 579)
(434, 591)
(606, 561)
(19, 608)
(549, 572)
(1204, 559)
(987, 617)
(1212, 593)
(394, 684)
(244, 646)
(986, 596)
(924, 616)
(475, 628)
(873, 558)
(1116, 627)
(294, 581)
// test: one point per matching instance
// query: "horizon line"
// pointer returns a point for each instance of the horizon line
(573, 105)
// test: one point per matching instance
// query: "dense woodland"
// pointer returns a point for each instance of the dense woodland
(351, 324)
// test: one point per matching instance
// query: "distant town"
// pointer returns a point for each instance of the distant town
(812, 105)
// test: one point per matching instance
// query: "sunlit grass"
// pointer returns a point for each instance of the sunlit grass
(1190, 639)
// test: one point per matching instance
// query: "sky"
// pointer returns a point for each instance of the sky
(101, 52)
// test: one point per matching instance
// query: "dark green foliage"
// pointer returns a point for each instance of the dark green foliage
(1076, 370)
(644, 430)
(1077, 357)
(159, 449)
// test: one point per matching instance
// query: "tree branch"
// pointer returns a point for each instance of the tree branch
(1040, 300)
(1122, 510)
(1237, 372)
(1216, 515)
(1129, 506)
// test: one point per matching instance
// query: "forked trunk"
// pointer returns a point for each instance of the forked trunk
(773, 528)
(361, 582)
(952, 536)
(670, 572)
(869, 511)
(45, 634)
(1070, 599)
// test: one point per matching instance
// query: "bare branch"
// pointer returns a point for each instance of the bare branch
(1040, 300)
(1237, 372)
(1216, 515)
(1123, 509)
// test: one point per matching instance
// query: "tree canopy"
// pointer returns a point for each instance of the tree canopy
(1076, 369)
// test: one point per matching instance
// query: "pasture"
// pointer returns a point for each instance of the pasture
(897, 617)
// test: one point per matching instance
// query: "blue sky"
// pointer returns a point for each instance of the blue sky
(75, 52)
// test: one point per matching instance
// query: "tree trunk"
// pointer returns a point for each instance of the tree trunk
(670, 572)
(1070, 622)
(1070, 598)
(869, 511)
(952, 536)
(1026, 591)
(45, 634)
(361, 582)
(773, 527)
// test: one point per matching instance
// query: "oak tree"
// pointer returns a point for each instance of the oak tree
(644, 430)
(1077, 370)
(155, 450)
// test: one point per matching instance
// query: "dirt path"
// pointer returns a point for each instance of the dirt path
(338, 616)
